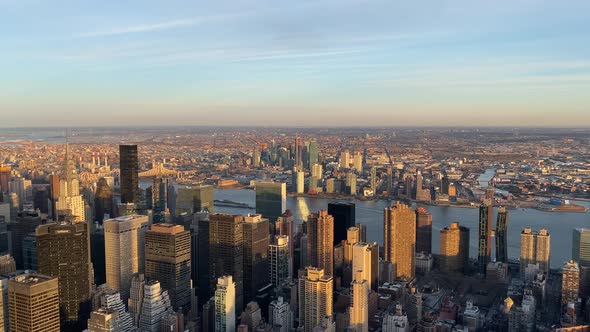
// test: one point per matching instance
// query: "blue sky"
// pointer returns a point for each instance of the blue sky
(295, 63)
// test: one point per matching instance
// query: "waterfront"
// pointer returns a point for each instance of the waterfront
(560, 225)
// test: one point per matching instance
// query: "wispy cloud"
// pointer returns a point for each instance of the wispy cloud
(165, 25)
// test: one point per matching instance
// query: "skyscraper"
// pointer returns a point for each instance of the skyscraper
(501, 236)
(570, 285)
(359, 307)
(313, 153)
(155, 306)
(299, 181)
(104, 320)
(484, 237)
(399, 239)
(315, 297)
(226, 252)
(454, 248)
(344, 214)
(70, 203)
(7, 264)
(365, 260)
(256, 241)
(63, 252)
(168, 260)
(33, 301)
(103, 201)
(4, 305)
(194, 199)
(129, 165)
(284, 226)
(374, 180)
(136, 295)
(279, 315)
(111, 300)
(535, 248)
(581, 246)
(225, 305)
(344, 161)
(271, 199)
(423, 231)
(202, 275)
(320, 239)
(124, 239)
(278, 254)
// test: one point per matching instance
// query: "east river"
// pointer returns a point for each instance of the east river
(559, 224)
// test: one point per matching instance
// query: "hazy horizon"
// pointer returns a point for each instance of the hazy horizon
(326, 63)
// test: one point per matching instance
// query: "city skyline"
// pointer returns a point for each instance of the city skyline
(360, 63)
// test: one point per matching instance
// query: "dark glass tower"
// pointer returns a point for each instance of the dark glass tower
(256, 242)
(501, 236)
(344, 218)
(423, 231)
(63, 251)
(483, 244)
(129, 178)
(103, 201)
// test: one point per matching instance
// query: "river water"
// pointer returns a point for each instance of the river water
(559, 224)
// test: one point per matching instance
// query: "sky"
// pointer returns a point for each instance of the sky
(295, 63)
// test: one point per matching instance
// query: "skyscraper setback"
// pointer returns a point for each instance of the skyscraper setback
(399, 239)
(129, 176)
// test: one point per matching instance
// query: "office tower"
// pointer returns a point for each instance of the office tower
(315, 297)
(278, 255)
(300, 185)
(129, 176)
(313, 153)
(5, 171)
(344, 161)
(69, 204)
(484, 237)
(423, 231)
(202, 278)
(33, 302)
(279, 315)
(357, 162)
(256, 241)
(111, 300)
(359, 307)
(581, 254)
(5, 245)
(365, 260)
(124, 240)
(136, 294)
(444, 186)
(454, 248)
(7, 264)
(298, 152)
(226, 252)
(14, 205)
(5, 212)
(26, 223)
(104, 320)
(271, 199)
(535, 248)
(41, 198)
(97, 254)
(570, 286)
(3, 304)
(225, 305)
(350, 183)
(320, 239)
(154, 307)
(22, 188)
(501, 237)
(399, 239)
(103, 201)
(256, 157)
(63, 252)
(284, 226)
(30, 252)
(194, 199)
(344, 218)
(168, 260)
(581, 246)
(317, 171)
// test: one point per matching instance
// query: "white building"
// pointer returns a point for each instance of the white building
(315, 298)
(361, 261)
(279, 315)
(396, 322)
(155, 306)
(124, 251)
(69, 202)
(225, 305)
